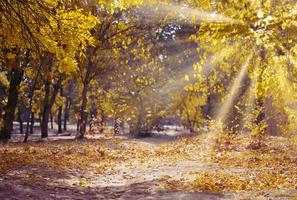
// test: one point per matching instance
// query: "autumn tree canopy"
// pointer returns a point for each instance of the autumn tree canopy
(143, 61)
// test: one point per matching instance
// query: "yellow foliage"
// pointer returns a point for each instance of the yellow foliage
(3, 79)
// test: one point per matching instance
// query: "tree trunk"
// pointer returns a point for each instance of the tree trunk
(69, 102)
(27, 127)
(141, 125)
(21, 123)
(77, 125)
(46, 111)
(66, 114)
(260, 98)
(260, 118)
(32, 123)
(101, 123)
(117, 126)
(60, 130)
(52, 120)
(83, 113)
(15, 81)
(91, 122)
(47, 105)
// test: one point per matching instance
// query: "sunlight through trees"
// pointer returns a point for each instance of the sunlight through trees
(219, 75)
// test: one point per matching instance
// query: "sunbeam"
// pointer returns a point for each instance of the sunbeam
(212, 64)
(249, 111)
(216, 126)
(228, 102)
(187, 14)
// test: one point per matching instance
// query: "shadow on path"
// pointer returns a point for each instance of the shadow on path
(135, 191)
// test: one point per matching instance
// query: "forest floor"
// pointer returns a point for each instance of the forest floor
(207, 166)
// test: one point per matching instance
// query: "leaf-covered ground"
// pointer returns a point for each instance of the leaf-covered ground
(209, 166)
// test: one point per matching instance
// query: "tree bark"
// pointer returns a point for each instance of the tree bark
(46, 111)
(47, 105)
(83, 107)
(117, 126)
(32, 123)
(21, 123)
(142, 129)
(66, 114)
(77, 125)
(60, 130)
(28, 124)
(15, 81)
(52, 120)
(83, 112)
(101, 123)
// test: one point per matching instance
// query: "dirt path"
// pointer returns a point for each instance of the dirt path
(136, 177)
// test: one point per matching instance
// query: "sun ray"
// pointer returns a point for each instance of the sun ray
(225, 108)
(187, 14)
(251, 102)
(207, 68)
(216, 126)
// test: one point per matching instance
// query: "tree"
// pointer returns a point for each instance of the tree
(41, 29)
(263, 32)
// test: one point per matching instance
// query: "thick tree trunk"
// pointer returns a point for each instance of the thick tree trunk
(60, 129)
(46, 111)
(83, 113)
(47, 105)
(15, 81)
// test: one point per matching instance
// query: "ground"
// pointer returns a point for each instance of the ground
(207, 166)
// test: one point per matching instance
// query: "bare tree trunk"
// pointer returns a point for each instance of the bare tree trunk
(60, 130)
(83, 112)
(83, 107)
(32, 123)
(21, 123)
(27, 129)
(77, 125)
(31, 117)
(15, 81)
(66, 114)
(47, 105)
(52, 120)
(46, 111)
